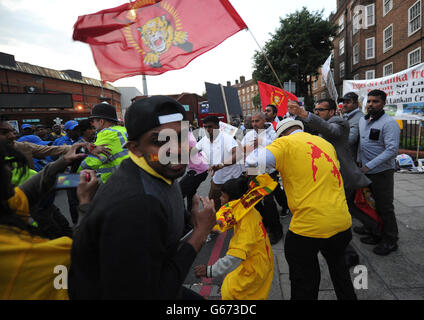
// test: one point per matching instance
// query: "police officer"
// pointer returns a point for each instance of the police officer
(104, 119)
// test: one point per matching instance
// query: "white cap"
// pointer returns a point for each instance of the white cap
(287, 123)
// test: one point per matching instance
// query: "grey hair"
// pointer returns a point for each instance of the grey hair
(261, 114)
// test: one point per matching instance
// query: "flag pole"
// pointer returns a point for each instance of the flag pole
(269, 64)
(225, 103)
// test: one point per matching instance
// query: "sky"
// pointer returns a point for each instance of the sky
(40, 33)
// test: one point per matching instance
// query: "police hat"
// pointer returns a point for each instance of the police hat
(104, 111)
(146, 114)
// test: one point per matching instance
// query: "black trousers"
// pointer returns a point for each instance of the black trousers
(305, 275)
(382, 187)
(269, 212)
(189, 184)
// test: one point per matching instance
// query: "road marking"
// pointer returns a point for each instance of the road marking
(216, 251)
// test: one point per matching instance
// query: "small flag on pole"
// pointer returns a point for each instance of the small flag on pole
(274, 95)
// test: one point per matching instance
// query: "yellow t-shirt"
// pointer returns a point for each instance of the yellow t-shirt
(313, 184)
(27, 263)
(252, 279)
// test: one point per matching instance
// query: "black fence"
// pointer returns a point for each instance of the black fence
(409, 135)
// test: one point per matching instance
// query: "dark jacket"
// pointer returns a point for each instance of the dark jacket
(127, 245)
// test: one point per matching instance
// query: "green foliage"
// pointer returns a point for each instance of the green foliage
(257, 101)
(297, 49)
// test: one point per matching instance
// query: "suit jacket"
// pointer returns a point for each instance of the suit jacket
(353, 119)
(336, 131)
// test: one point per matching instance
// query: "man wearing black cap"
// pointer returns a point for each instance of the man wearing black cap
(352, 113)
(109, 134)
(128, 246)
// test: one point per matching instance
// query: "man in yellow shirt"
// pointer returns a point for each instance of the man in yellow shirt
(321, 221)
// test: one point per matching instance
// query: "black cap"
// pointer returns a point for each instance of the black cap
(146, 114)
(104, 111)
(349, 96)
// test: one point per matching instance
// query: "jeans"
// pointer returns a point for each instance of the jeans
(305, 275)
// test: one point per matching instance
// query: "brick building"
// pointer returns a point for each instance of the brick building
(376, 38)
(247, 90)
(22, 83)
(319, 89)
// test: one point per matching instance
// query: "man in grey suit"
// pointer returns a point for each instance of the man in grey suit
(352, 113)
(336, 131)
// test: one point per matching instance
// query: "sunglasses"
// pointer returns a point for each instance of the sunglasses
(320, 109)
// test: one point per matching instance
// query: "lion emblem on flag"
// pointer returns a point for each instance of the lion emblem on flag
(159, 36)
(277, 98)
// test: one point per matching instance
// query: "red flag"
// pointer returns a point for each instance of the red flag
(152, 37)
(274, 95)
(364, 200)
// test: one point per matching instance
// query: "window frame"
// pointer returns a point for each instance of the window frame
(391, 7)
(384, 69)
(340, 70)
(342, 40)
(385, 49)
(357, 53)
(366, 48)
(373, 15)
(409, 18)
(366, 74)
(409, 57)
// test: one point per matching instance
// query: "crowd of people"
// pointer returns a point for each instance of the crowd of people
(134, 211)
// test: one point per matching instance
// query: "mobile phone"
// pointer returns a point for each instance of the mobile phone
(67, 181)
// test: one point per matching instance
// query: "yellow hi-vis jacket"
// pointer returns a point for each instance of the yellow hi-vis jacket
(114, 138)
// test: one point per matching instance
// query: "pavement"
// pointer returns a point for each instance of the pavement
(398, 276)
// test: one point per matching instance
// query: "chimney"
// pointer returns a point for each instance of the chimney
(7, 60)
(228, 83)
(236, 81)
(242, 79)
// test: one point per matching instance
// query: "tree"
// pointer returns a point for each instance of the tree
(296, 51)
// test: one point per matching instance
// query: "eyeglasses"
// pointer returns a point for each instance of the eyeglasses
(320, 109)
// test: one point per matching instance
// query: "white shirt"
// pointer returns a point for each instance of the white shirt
(265, 137)
(217, 152)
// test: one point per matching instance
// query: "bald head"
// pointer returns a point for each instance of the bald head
(258, 121)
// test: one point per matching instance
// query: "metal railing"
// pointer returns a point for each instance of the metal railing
(409, 135)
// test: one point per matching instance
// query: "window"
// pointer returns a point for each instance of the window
(388, 38)
(370, 12)
(356, 77)
(388, 69)
(370, 74)
(355, 53)
(387, 6)
(341, 23)
(342, 70)
(314, 84)
(323, 95)
(414, 18)
(341, 47)
(369, 48)
(414, 57)
(355, 23)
